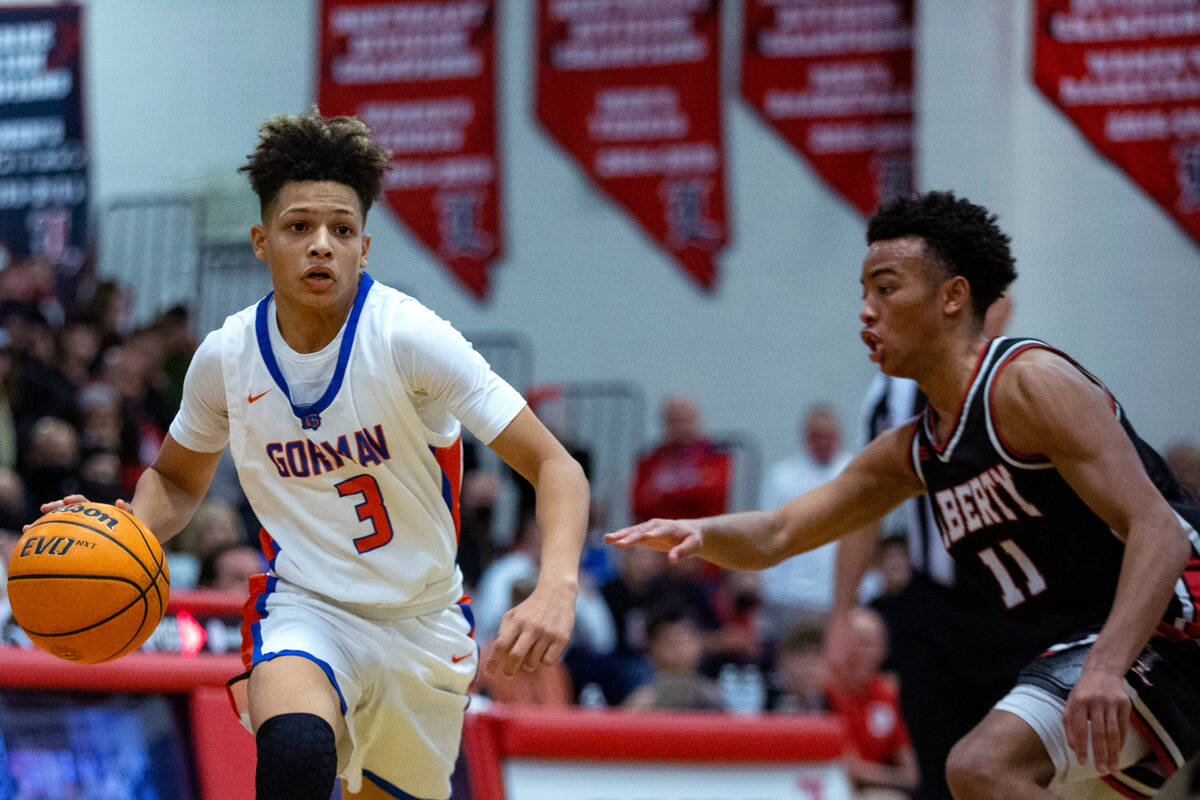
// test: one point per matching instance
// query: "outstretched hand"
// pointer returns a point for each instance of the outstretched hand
(678, 538)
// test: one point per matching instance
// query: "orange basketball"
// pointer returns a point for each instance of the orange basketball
(88, 582)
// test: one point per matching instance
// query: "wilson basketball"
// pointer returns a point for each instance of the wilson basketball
(88, 582)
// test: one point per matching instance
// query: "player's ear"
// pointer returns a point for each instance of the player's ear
(956, 295)
(258, 239)
(366, 246)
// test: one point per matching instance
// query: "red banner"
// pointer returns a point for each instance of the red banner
(834, 78)
(1128, 75)
(631, 90)
(421, 74)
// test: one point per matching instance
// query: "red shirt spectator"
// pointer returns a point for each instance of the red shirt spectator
(872, 719)
(686, 476)
(879, 755)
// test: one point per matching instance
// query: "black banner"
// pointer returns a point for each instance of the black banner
(43, 154)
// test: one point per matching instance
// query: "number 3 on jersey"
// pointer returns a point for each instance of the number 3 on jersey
(1035, 584)
(370, 509)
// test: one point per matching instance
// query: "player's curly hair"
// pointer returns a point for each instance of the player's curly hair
(309, 147)
(962, 236)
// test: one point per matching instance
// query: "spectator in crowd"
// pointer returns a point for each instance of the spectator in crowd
(8, 383)
(741, 635)
(630, 595)
(801, 672)
(102, 425)
(214, 526)
(78, 352)
(29, 282)
(110, 310)
(881, 760)
(548, 686)
(229, 566)
(51, 469)
(178, 343)
(134, 370)
(686, 475)
(802, 586)
(1184, 460)
(40, 389)
(100, 475)
(14, 503)
(477, 502)
(675, 648)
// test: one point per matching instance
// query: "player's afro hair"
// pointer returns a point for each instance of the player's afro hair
(309, 147)
(964, 237)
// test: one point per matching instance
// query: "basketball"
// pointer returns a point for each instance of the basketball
(88, 582)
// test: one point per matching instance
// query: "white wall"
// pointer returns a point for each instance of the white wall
(1104, 273)
(176, 91)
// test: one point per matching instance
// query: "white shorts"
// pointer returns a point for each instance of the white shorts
(402, 681)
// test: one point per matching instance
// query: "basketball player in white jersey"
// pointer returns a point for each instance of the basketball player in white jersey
(1056, 513)
(341, 400)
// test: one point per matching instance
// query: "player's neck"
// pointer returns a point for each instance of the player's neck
(307, 330)
(950, 375)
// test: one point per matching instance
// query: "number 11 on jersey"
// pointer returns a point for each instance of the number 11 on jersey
(1012, 595)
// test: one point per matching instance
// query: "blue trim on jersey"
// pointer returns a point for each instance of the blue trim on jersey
(465, 608)
(328, 670)
(390, 788)
(447, 494)
(274, 546)
(339, 372)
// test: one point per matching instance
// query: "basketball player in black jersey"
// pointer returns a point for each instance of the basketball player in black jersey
(1053, 508)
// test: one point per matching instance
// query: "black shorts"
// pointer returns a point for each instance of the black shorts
(1164, 684)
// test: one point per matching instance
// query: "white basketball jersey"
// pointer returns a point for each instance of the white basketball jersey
(357, 492)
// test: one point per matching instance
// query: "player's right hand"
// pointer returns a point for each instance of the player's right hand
(54, 505)
(678, 538)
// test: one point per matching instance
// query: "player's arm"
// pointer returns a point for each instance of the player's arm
(1044, 406)
(169, 491)
(536, 631)
(876, 481)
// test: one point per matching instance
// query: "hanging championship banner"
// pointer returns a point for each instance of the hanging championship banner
(421, 75)
(631, 91)
(834, 78)
(43, 150)
(1128, 75)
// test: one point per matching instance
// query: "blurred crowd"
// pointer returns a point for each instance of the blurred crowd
(86, 398)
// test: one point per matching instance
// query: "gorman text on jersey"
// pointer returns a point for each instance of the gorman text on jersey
(979, 502)
(302, 458)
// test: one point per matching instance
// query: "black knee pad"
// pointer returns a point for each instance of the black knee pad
(297, 758)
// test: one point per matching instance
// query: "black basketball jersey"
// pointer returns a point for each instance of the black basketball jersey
(1020, 536)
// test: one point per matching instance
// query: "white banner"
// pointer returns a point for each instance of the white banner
(539, 779)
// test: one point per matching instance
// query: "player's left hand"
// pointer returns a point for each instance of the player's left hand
(678, 538)
(1099, 706)
(534, 632)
